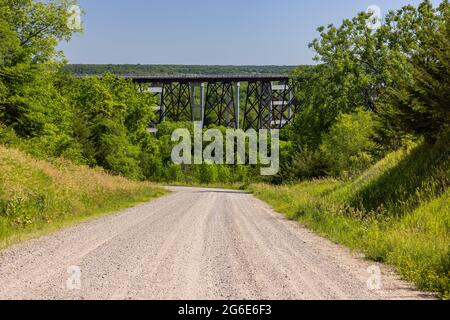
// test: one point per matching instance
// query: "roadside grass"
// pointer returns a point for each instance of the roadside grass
(397, 212)
(37, 196)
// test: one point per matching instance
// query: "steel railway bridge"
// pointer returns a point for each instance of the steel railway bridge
(216, 99)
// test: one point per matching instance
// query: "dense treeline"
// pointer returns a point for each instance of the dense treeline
(49, 113)
(145, 70)
(371, 91)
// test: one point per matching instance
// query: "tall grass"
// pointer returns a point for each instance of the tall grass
(397, 212)
(38, 196)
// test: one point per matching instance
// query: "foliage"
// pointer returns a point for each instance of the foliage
(302, 164)
(347, 148)
(316, 93)
(419, 102)
(361, 61)
(399, 72)
(372, 92)
(29, 33)
(208, 173)
(110, 121)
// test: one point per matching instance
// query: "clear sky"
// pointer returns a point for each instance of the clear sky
(224, 32)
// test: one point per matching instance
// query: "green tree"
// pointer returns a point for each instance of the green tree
(399, 71)
(418, 103)
(316, 93)
(110, 121)
(360, 65)
(29, 33)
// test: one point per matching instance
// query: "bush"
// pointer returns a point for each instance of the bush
(347, 148)
(241, 173)
(117, 154)
(208, 173)
(8, 136)
(305, 164)
(224, 174)
(174, 173)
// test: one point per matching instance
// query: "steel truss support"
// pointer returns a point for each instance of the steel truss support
(258, 106)
(220, 105)
(267, 106)
(282, 105)
(176, 102)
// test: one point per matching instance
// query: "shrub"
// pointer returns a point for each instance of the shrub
(224, 174)
(305, 164)
(174, 173)
(208, 173)
(8, 136)
(347, 148)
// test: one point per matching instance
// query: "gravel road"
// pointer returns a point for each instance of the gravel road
(192, 244)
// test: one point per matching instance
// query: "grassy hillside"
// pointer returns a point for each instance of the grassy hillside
(398, 212)
(38, 196)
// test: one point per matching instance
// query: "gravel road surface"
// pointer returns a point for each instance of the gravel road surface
(192, 244)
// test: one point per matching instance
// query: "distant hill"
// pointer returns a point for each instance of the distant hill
(141, 70)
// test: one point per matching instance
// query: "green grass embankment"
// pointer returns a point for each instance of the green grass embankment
(37, 196)
(397, 212)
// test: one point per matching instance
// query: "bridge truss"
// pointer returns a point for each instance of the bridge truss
(216, 100)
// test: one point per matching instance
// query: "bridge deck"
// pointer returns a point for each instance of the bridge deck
(208, 78)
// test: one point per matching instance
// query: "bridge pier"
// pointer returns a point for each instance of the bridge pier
(202, 103)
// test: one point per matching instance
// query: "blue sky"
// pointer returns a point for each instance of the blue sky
(238, 32)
